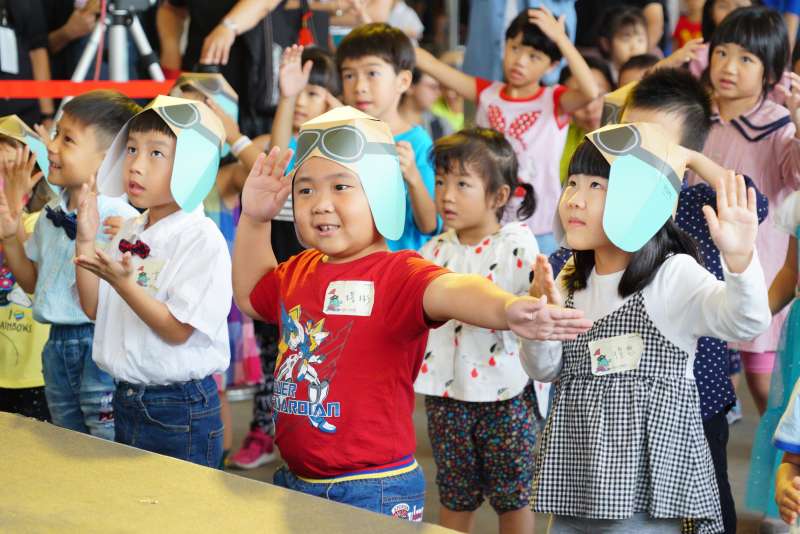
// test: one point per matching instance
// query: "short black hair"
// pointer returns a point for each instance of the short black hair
(323, 70)
(646, 261)
(707, 26)
(642, 61)
(381, 40)
(489, 155)
(532, 36)
(762, 32)
(616, 19)
(104, 110)
(150, 121)
(676, 91)
(595, 63)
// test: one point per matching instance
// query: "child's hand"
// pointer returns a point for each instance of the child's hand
(792, 102)
(88, 216)
(111, 226)
(18, 177)
(787, 495)
(267, 188)
(9, 218)
(734, 226)
(116, 273)
(543, 282)
(691, 50)
(408, 164)
(232, 132)
(44, 134)
(544, 19)
(532, 318)
(331, 101)
(293, 77)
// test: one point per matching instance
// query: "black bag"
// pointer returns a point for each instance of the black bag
(279, 29)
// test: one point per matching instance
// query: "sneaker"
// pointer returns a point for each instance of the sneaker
(257, 450)
(735, 414)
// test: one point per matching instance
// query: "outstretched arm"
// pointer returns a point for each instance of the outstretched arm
(460, 82)
(265, 192)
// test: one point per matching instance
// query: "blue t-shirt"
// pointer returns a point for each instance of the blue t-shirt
(55, 299)
(420, 141)
(784, 6)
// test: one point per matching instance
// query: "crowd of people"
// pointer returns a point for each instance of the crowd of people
(571, 238)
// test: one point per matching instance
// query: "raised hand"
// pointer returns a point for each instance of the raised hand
(532, 318)
(553, 28)
(544, 284)
(408, 164)
(19, 178)
(792, 102)
(267, 188)
(232, 132)
(9, 219)
(116, 273)
(112, 225)
(734, 225)
(691, 50)
(88, 216)
(293, 77)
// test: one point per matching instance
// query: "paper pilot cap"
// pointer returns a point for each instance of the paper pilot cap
(212, 85)
(614, 104)
(15, 128)
(643, 184)
(200, 135)
(364, 145)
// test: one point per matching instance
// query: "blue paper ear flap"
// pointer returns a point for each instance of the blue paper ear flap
(194, 171)
(640, 199)
(383, 184)
(40, 152)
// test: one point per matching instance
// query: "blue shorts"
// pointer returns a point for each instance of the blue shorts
(401, 496)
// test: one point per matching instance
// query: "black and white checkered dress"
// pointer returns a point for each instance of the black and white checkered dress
(627, 442)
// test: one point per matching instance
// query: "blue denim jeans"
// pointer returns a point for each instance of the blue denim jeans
(79, 395)
(179, 420)
(401, 496)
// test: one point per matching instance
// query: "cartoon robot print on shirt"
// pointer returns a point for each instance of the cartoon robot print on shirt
(298, 362)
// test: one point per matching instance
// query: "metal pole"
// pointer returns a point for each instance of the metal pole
(453, 25)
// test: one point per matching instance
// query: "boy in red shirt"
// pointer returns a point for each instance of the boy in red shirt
(354, 317)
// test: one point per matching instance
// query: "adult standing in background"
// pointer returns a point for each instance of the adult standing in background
(225, 33)
(488, 20)
(26, 19)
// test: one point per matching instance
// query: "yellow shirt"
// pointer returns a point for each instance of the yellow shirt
(21, 338)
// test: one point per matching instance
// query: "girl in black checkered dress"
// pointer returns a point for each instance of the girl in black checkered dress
(623, 448)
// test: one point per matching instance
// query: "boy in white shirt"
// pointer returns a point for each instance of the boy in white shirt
(165, 293)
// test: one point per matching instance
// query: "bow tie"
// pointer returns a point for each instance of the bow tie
(62, 220)
(139, 248)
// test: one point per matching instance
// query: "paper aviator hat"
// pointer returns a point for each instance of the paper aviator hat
(15, 128)
(614, 104)
(200, 135)
(212, 85)
(364, 145)
(643, 184)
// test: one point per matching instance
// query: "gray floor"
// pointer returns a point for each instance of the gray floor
(738, 460)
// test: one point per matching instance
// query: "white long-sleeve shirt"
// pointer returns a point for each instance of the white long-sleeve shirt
(684, 301)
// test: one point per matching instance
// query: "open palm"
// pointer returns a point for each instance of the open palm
(266, 188)
(88, 215)
(293, 75)
(734, 225)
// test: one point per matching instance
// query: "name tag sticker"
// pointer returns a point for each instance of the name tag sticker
(350, 297)
(616, 354)
(9, 60)
(147, 272)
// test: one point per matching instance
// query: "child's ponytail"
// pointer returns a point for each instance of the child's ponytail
(528, 205)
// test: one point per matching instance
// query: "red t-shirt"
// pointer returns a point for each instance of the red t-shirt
(352, 338)
(686, 30)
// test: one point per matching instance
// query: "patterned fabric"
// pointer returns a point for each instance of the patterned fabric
(627, 442)
(483, 449)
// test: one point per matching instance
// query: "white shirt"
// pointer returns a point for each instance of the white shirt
(684, 301)
(465, 362)
(194, 282)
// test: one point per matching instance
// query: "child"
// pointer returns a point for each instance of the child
(756, 137)
(622, 35)
(480, 404)
(623, 446)
(689, 24)
(375, 61)
(415, 107)
(586, 119)
(532, 116)
(714, 12)
(450, 107)
(354, 318)
(309, 83)
(21, 379)
(78, 393)
(765, 459)
(162, 304)
(635, 68)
